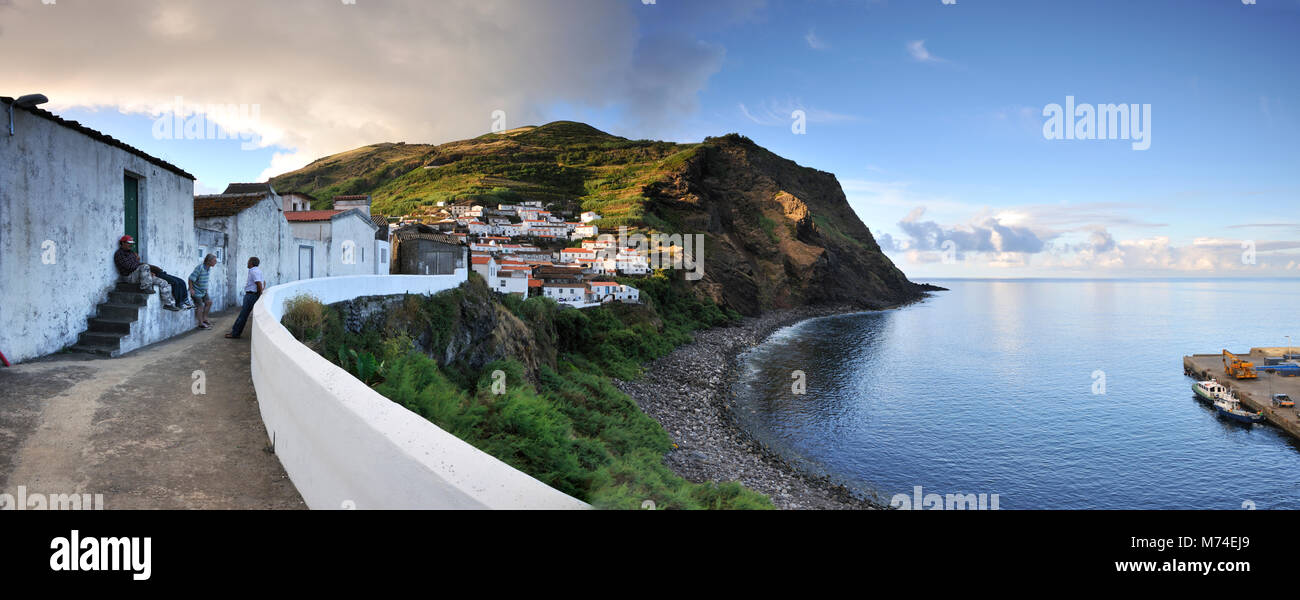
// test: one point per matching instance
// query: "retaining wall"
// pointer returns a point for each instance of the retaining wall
(346, 446)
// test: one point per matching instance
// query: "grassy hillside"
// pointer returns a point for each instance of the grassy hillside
(569, 166)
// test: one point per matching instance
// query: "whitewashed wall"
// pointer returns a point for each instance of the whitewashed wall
(65, 187)
(346, 446)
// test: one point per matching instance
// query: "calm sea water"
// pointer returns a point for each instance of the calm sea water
(988, 388)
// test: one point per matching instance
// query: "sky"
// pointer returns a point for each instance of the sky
(936, 116)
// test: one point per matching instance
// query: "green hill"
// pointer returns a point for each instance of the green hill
(777, 234)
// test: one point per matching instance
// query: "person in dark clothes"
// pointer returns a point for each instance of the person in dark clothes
(253, 289)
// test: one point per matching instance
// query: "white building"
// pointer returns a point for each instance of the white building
(630, 262)
(67, 193)
(566, 293)
(589, 216)
(577, 255)
(512, 279)
(346, 238)
(250, 225)
(484, 265)
(583, 231)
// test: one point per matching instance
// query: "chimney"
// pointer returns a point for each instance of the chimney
(350, 202)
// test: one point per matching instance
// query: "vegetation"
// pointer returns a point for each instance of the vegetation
(565, 424)
(571, 167)
(304, 317)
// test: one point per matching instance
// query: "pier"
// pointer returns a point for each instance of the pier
(1255, 394)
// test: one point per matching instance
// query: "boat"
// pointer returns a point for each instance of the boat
(1228, 406)
(1209, 391)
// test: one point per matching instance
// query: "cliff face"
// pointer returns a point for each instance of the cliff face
(779, 235)
(464, 327)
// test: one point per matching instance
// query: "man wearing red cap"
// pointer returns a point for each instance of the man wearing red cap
(129, 266)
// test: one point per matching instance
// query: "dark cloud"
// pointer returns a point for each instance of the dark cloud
(330, 76)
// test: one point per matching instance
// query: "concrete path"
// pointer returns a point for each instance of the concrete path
(132, 428)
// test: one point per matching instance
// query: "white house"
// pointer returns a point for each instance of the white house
(251, 224)
(627, 293)
(346, 238)
(484, 265)
(630, 262)
(566, 293)
(67, 193)
(589, 216)
(512, 279)
(603, 291)
(577, 255)
(583, 231)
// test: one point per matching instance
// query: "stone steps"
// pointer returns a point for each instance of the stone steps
(115, 317)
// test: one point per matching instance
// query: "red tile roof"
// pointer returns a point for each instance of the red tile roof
(311, 215)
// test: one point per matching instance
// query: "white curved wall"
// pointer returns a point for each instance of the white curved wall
(344, 445)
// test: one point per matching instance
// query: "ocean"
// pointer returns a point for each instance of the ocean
(991, 388)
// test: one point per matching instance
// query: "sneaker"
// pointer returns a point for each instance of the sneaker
(188, 306)
(172, 307)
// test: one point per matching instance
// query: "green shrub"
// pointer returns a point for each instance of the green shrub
(304, 317)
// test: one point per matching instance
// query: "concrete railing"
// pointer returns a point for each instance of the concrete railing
(346, 446)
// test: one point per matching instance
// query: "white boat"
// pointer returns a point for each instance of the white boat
(1209, 391)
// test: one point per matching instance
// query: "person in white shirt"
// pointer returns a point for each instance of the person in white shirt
(253, 289)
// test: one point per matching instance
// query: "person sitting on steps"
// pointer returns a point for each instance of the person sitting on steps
(134, 271)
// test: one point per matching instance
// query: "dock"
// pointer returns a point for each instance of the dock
(1253, 393)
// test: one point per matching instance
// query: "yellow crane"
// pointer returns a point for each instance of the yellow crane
(1238, 368)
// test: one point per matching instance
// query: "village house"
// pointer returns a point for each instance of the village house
(565, 293)
(345, 238)
(484, 265)
(67, 193)
(582, 231)
(294, 201)
(513, 279)
(247, 225)
(422, 250)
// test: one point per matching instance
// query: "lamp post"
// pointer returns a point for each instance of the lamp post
(27, 101)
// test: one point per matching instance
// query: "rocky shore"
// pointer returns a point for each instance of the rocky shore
(688, 392)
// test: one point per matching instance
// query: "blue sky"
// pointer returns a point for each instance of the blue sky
(930, 115)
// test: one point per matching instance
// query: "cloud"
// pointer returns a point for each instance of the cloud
(1014, 240)
(330, 76)
(987, 235)
(815, 42)
(919, 52)
(778, 113)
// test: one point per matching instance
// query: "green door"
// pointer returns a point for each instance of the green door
(131, 187)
